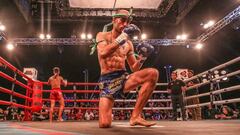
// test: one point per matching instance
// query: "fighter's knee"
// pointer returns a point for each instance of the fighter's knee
(153, 74)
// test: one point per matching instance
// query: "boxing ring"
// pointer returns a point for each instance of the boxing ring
(32, 97)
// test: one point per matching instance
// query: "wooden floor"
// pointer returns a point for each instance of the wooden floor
(205, 127)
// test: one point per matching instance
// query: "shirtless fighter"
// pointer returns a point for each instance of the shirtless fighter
(114, 48)
(55, 81)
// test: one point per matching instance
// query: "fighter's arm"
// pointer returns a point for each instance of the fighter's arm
(133, 62)
(49, 80)
(63, 82)
(143, 50)
(104, 48)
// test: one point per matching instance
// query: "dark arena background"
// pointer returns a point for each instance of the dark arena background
(199, 36)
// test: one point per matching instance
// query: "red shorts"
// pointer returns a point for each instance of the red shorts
(56, 94)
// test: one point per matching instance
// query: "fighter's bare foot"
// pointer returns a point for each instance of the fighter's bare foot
(140, 121)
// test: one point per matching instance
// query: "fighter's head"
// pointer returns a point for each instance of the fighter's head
(174, 75)
(56, 70)
(121, 19)
(190, 73)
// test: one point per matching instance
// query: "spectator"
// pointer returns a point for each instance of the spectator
(164, 114)
(12, 113)
(236, 114)
(196, 111)
(226, 113)
(156, 115)
(21, 116)
(43, 114)
(64, 115)
(128, 113)
(89, 115)
(79, 115)
(6, 115)
(176, 88)
(2, 115)
(162, 96)
(121, 115)
(148, 114)
(210, 112)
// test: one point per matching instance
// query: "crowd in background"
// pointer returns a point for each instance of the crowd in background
(229, 111)
(208, 112)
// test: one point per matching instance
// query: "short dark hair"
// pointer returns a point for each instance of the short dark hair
(174, 73)
(56, 69)
(191, 71)
(121, 13)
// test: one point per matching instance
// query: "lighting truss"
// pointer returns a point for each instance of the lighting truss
(220, 24)
(65, 11)
(3, 36)
(79, 41)
(164, 42)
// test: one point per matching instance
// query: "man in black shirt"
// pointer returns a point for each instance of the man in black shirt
(196, 112)
(175, 88)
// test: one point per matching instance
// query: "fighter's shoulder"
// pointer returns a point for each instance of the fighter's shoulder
(50, 78)
(102, 34)
(103, 37)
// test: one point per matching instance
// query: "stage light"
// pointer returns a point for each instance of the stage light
(209, 24)
(205, 26)
(217, 74)
(41, 36)
(48, 36)
(168, 66)
(135, 38)
(89, 36)
(2, 27)
(184, 37)
(10, 46)
(178, 37)
(199, 46)
(143, 36)
(83, 36)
